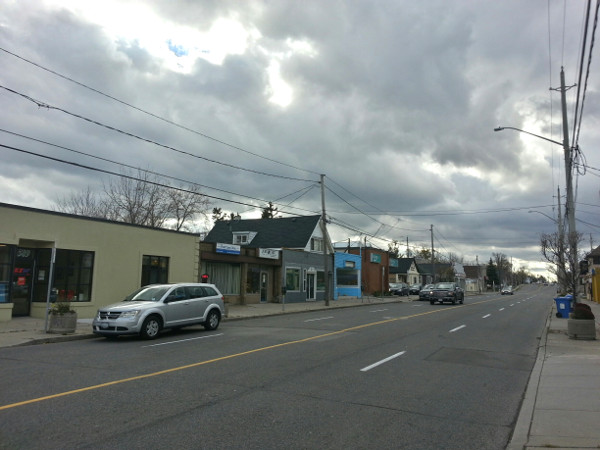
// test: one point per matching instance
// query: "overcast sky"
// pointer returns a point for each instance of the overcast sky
(394, 101)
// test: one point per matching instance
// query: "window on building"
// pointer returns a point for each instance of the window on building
(73, 271)
(347, 277)
(227, 277)
(320, 280)
(253, 280)
(240, 238)
(292, 279)
(155, 269)
(6, 252)
(316, 244)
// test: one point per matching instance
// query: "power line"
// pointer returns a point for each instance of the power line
(152, 114)
(108, 172)
(126, 133)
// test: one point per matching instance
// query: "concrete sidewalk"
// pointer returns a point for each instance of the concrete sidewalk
(561, 407)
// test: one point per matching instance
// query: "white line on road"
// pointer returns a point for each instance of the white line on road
(486, 316)
(501, 309)
(183, 340)
(457, 328)
(320, 318)
(378, 310)
(389, 358)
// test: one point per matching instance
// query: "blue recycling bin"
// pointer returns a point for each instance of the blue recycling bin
(563, 306)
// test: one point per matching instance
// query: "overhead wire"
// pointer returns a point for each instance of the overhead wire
(156, 116)
(168, 147)
(130, 177)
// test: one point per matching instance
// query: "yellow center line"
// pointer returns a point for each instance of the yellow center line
(224, 358)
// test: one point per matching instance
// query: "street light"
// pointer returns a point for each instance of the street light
(527, 132)
(543, 214)
(570, 210)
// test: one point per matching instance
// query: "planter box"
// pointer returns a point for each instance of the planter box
(62, 323)
(581, 329)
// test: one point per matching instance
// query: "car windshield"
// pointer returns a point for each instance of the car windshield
(444, 286)
(148, 294)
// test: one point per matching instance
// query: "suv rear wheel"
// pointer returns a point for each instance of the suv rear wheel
(212, 320)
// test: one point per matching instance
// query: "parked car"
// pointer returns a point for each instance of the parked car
(425, 292)
(414, 289)
(507, 290)
(399, 289)
(446, 292)
(153, 308)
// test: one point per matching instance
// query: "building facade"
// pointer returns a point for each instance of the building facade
(47, 256)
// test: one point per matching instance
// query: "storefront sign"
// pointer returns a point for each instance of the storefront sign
(230, 249)
(375, 258)
(268, 253)
(349, 264)
(393, 262)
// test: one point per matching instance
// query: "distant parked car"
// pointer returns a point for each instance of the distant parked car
(414, 289)
(425, 292)
(151, 308)
(399, 289)
(446, 292)
(507, 290)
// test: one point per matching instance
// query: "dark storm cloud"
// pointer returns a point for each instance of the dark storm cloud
(394, 101)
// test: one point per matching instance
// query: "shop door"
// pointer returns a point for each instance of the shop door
(264, 287)
(22, 281)
(310, 286)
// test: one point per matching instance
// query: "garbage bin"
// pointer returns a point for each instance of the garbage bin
(563, 306)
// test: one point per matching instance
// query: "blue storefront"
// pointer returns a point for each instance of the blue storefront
(346, 275)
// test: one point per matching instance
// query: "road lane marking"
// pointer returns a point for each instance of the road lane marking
(320, 318)
(486, 316)
(378, 310)
(378, 363)
(234, 355)
(501, 309)
(457, 328)
(182, 340)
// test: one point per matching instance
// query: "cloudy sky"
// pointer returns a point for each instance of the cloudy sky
(394, 101)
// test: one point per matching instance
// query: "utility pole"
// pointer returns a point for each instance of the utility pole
(570, 212)
(432, 258)
(324, 231)
(562, 282)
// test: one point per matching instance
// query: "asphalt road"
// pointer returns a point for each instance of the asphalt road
(402, 375)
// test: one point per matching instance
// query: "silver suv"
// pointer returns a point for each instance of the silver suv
(152, 308)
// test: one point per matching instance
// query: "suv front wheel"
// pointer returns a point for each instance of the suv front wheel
(151, 327)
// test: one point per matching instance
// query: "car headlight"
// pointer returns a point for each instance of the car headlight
(129, 314)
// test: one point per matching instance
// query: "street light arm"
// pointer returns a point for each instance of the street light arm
(543, 214)
(527, 132)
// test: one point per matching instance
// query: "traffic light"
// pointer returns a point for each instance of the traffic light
(583, 267)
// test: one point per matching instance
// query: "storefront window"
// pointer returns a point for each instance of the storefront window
(5, 269)
(227, 277)
(253, 280)
(292, 279)
(347, 277)
(155, 269)
(320, 281)
(72, 275)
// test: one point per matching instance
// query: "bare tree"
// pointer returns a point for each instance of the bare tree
(84, 203)
(557, 251)
(140, 200)
(185, 205)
